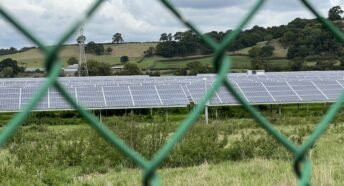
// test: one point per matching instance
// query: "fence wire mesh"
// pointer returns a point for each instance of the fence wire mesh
(301, 164)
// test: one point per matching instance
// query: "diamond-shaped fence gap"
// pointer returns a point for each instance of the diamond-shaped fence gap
(12, 38)
(204, 12)
(19, 44)
(46, 19)
(132, 20)
(145, 138)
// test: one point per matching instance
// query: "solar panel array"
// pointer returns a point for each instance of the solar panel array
(118, 92)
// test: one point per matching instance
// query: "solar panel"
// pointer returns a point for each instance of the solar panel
(56, 99)
(27, 93)
(9, 99)
(91, 97)
(118, 97)
(287, 99)
(172, 95)
(146, 92)
(145, 96)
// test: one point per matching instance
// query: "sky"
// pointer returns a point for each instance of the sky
(142, 20)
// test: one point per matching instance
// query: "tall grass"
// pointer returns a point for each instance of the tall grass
(60, 149)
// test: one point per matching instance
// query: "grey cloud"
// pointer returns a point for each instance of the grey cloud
(142, 20)
(293, 5)
(206, 4)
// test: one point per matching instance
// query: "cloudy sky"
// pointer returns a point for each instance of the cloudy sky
(142, 20)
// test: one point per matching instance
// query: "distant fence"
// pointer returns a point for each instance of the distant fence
(302, 164)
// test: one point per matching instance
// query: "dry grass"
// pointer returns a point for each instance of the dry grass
(328, 168)
(279, 51)
(34, 57)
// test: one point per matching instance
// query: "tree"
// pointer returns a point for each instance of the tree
(155, 73)
(11, 50)
(96, 68)
(268, 38)
(254, 52)
(341, 65)
(109, 50)
(15, 69)
(167, 49)
(163, 37)
(178, 36)
(335, 13)
(81, 39)
(297, 64)
(117, 38)
(124, 59)
(197, 68)
(89, 48)
(169, 37)
(257, 64)
(131, 69)
(99, 49)
(266, 51)
(289, 38)
(149, 52)
(190, 36)
(292, 52)
(93, 47)
(72, 61)
(6, 72)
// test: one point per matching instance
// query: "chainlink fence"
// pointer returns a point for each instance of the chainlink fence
(302, 164)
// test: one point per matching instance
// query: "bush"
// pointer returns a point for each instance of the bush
(262, 147)
(124, 59)
(72, 61)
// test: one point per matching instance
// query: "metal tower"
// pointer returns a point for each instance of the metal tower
(82, 68)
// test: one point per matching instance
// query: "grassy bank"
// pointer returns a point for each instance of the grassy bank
(59, 148)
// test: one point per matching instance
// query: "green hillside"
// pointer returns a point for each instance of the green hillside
(167, 66)
(280, 50)
(34, 57)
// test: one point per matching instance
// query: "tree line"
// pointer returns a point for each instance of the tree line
(13, 50)
(9, 68)
(302, 37)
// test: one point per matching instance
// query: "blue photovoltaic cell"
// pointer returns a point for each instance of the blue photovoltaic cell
(56, 99)
(172, 95)
(9, 99)
(146, 92)
(91, 99)
(145, 96)
(118, 97)
(27, 93)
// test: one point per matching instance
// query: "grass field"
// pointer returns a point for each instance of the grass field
(34, 57)
(238, 62)
(55, 150)
(279, 51)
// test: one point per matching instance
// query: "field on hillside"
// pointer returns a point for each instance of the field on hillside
(280, 50)
(238, 62)
(59, 148)
(34, 57)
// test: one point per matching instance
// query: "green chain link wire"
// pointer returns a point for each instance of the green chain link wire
(302, 165)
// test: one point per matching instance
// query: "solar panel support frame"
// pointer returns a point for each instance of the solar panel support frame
(294, 90)
(316, 86)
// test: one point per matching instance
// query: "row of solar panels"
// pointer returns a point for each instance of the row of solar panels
(144, 80)
(273, 92)
(174, 95)
(101, 97)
